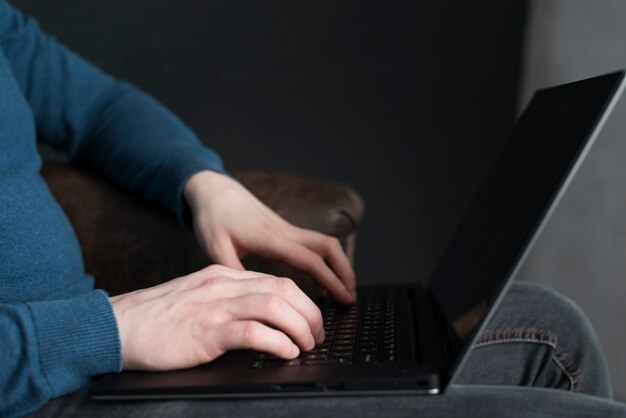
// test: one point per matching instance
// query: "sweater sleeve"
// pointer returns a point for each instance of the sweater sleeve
(104, 123)
(51, 348)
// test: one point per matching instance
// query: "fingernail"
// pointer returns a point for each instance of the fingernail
(295, 351)
(320, 336)
(353, 293)
(311, 342)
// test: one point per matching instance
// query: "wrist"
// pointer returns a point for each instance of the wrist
(205, 183)
(118, 312)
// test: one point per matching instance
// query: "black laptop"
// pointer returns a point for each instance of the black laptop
(414, 338)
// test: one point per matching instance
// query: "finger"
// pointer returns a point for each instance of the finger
(258, 283)
(303, 259)
(273, 310)
(275, 217)
(215, 271)
(294, 296)
(253, 335)
(224, 252)
(330, 249)
(216, 278)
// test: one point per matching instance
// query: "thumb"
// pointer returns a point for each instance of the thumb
(226, 255)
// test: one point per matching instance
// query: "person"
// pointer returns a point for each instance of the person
(58, 332)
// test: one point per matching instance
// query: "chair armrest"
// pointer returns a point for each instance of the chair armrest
(129, 243)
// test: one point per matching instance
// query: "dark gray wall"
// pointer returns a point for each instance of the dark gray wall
(407, 101)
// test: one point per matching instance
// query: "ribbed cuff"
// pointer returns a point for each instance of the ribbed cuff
(78, 339)
(202, 162)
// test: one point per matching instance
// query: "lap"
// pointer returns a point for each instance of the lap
(536, 338)
(471, 401)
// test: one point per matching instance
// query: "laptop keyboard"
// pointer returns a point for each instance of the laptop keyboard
(361, 333)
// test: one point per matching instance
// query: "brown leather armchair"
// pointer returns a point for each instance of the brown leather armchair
(129, 243)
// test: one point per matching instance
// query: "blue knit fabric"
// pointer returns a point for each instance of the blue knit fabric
(56, 331)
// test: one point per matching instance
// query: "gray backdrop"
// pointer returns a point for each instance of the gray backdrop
(582, 252)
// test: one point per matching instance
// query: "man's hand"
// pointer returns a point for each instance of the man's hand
(230, 223)
(194, 319)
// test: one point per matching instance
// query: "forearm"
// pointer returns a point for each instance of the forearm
(141, 145)
(104, 123)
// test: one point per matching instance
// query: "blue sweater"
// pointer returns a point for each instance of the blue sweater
(56, 331)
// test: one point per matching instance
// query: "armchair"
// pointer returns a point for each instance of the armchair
(129, 243)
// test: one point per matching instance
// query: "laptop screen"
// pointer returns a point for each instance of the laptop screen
(531, 172)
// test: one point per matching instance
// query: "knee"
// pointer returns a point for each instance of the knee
(547, 309)
(537, 307)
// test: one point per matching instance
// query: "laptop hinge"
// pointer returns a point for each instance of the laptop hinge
(432, 338)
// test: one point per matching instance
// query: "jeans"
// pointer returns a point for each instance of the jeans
(538, 357)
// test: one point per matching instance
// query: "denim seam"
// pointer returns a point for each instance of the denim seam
(529, 335)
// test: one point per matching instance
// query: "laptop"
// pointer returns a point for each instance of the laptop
(413, 338)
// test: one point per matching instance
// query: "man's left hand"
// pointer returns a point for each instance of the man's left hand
(230, 223)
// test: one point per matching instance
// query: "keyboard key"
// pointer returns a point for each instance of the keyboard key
(343, 348)
(329, 362)
(256, 364)
(342, 354)
(291, 363)
(368, 328)
(388, 355)
(316, 356)
(366, 358)
(367, 338)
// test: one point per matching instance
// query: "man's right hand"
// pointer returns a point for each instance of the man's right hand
(196, 318)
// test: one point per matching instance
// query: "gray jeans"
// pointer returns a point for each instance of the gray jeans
(538, 357)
